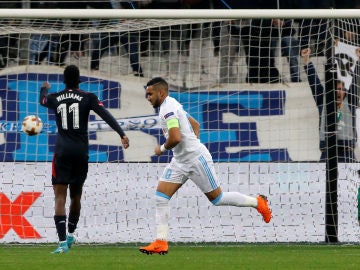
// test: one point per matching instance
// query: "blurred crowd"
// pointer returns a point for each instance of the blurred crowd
(179, 4)
(258, 38)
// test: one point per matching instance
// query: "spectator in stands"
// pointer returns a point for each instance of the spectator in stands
(164, 35)
(287, 40)
(313, 29)
(213, 26)
(346, 100)
(42, 46)
(56, 47)
(260, 56)
(102, 42)
(289, 46)
(348, 30)
(75, 43)
(231, 32)
(230, 36)
(8, 42)
(256, 36)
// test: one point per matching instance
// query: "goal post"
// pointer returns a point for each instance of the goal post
(274, 121)
(228, 14)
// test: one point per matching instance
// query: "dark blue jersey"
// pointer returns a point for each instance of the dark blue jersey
(72, 109)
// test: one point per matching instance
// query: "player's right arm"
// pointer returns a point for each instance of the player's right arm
(173, 139)
(44, 94)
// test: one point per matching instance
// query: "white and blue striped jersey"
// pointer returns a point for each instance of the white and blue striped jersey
(189, 146)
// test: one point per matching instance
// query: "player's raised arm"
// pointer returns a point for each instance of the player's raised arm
(43, 93)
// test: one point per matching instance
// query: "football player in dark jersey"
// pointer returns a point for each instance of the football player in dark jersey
(72, 107)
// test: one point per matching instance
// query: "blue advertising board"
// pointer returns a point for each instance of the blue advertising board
(20, 93)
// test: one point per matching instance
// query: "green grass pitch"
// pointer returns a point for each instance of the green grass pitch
(183, 256)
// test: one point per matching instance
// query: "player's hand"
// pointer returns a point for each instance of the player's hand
(77, 54)
(45, 85)
(157, 150)
(350, 35)
(125, 142)
(357, 52)
(305, 53)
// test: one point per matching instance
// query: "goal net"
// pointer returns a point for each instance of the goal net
(276, 100)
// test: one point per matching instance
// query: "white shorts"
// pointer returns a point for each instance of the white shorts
(200, 170)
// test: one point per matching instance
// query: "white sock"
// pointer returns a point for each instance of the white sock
(235, 199)
(162, 216)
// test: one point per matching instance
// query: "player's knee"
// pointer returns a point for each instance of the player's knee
(161, 198)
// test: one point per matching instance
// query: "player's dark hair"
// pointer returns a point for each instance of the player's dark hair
(72, 76)
(158, 81)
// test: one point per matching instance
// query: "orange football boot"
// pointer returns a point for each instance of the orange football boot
(263, 208)
(159, 246)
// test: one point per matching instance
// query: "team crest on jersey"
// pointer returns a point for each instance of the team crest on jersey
(168, 114)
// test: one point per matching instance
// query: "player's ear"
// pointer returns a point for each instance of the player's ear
(162, 92)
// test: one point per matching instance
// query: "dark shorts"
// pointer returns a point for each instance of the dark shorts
(69, 169)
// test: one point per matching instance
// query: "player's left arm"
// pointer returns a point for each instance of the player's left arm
(100, 110)
(195, 125)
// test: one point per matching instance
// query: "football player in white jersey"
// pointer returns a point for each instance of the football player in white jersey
(191, 160)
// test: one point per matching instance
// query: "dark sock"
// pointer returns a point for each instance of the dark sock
(72, 223)
(60, 223)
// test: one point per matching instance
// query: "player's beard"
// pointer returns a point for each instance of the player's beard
(157, 103)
